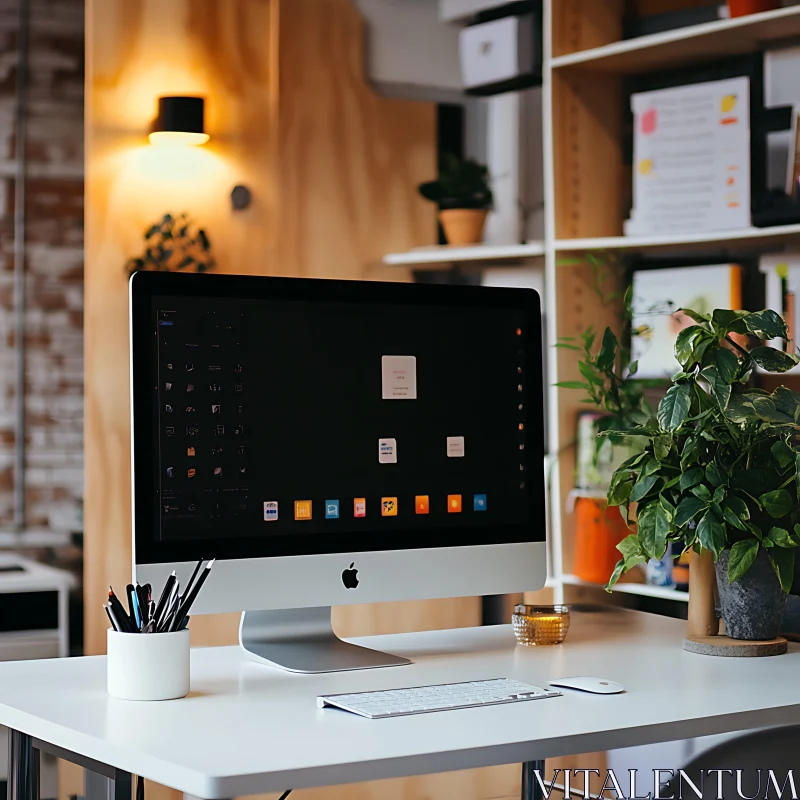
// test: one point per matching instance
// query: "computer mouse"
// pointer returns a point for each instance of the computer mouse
(587, 684)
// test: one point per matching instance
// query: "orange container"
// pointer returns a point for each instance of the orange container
(599, 530)
(740, 8)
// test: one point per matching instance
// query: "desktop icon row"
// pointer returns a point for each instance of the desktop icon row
(303, 509)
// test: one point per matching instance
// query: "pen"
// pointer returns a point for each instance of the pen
(191, 580)
(166, 619)
(165, 595)
(141, 601)
(172, 603)
(119, 613)
(192, 595)
(129, 592)
(137, 614)
(110, 618)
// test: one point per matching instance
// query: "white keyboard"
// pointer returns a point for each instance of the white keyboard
(423, 699)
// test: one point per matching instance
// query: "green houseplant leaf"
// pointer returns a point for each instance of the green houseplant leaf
(777, 503)
(743, 554)
(674, 408)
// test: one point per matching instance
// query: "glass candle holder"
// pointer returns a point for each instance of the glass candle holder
(539, 625)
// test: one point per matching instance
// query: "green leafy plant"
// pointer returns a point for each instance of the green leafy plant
(174, 243)
(721, 464)
(462, 183)
(609, 376)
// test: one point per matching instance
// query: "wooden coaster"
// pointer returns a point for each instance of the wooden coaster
(734, 648)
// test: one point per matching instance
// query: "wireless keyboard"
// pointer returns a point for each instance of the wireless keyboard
(444, 697)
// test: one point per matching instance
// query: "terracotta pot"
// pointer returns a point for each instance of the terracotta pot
(463, 226)
(598, 532)
(740, 8)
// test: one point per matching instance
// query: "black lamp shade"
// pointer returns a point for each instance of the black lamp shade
(180, 115)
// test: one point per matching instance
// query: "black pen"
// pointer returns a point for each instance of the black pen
(183, 610)
(132, 613)
(126, 626)
(165, 595)
(141, 596)
(110, 618)
(191, 580)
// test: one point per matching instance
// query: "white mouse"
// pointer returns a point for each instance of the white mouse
(587, 684)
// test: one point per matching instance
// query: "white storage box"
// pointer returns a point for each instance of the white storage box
(498, 53)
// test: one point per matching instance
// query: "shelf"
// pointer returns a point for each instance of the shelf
(643, 589)
(687, 46)
(754, 238)
(479, 252)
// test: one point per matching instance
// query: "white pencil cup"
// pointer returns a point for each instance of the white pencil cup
(148, 666)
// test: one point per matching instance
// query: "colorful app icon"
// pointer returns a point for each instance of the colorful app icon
(302, 509)
(422, 504)
(387, 451)
(191, 472)
(270, 510)
(360, 507)
(331, 509)
(479, 502)
(190, 451)
(454, 503)
(388, 506)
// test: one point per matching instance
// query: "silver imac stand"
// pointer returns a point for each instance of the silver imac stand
(302, 640)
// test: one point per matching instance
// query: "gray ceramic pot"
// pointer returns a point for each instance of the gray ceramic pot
(753, 606)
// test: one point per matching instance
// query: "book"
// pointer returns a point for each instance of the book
(658, 296)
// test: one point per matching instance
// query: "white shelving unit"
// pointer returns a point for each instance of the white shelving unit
(748, 238)
(684, 46)
(424, 256)
(643, 589)
(584, 172)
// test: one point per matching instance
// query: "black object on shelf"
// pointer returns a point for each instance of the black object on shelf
(775, 206)
(633, 27)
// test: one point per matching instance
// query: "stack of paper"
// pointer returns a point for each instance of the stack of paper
(691, 159)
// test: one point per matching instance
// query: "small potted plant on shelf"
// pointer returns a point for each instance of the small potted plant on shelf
(464, 197)
(720, 469)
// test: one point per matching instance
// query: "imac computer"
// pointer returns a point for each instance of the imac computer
(334, 442)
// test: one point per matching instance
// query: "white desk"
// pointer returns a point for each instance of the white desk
(246, 728)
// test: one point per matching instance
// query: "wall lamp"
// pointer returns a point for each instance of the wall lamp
(180, 121)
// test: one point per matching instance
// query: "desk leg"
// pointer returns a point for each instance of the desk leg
(23, 767)
(531, 790)
(103, 787)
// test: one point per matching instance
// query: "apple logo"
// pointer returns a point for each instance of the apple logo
(350, 577)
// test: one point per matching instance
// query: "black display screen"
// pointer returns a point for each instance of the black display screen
(295, 416)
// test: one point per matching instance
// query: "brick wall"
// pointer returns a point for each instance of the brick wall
(54, 207)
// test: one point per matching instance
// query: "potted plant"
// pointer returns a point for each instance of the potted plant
(719, 472)
(464, 197)
(174, 243)
(608, 380)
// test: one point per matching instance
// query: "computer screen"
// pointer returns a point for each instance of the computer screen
(289, 417)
